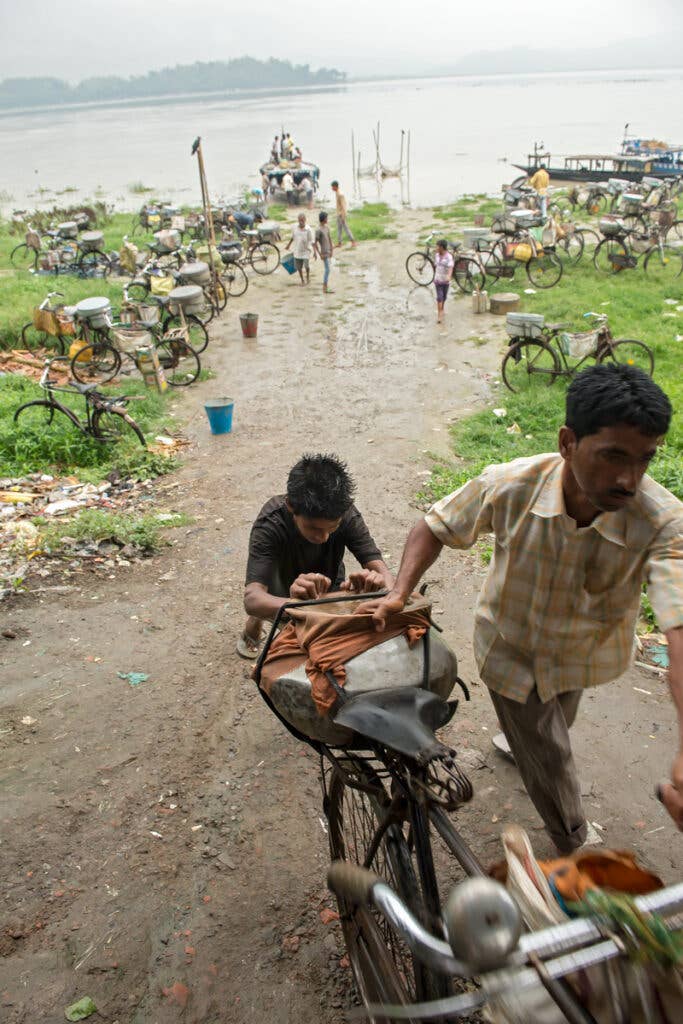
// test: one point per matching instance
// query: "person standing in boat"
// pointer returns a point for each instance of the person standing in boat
(540, 181)
(275, 150)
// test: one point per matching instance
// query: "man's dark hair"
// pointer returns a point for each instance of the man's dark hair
(320, 487)
(608, 394)
(442, 243)
(322, 216)
(542, 167)
(335, 183)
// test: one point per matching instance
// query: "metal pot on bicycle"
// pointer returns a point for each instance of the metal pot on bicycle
(189, 298)
(198, 273)
(94, 312)
(389, 665)
(91, 241)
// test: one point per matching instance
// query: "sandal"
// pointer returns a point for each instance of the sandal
(247, 647)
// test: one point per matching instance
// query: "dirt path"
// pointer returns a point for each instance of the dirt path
(162, 845)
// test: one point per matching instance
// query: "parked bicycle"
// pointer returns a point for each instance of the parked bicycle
(622, 248)
(52, 324)
(542, 264)
(539, 353)
(106, 346)
(158, 280)
(106, 418)
(260, 254)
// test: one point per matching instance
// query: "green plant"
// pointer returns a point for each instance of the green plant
(138, 188)
(94, 524)
(370, 222)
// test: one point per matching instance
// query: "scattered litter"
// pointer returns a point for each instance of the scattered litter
(196, 828)
(27, 720)
(529, 291)
(17, 497)
(59, 508)
(134, 678)
(80, 1010)
(671, 302)
(653, 830)
(514, 428)
(157, 835)
(659, 654)
(177, 993)
(638, 689)
(500, 413)
(327, 915)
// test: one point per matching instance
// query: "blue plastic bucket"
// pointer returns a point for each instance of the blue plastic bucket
(219, 412)
(288, 263)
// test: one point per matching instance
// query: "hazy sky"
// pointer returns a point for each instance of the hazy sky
(74, 39)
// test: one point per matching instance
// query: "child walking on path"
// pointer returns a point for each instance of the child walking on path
(302, 237)
(323, 247)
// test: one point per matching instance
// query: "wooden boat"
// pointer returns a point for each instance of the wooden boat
(667, 160)
(299, 169)
(603, 166)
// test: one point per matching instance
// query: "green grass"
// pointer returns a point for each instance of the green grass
(62, 449)
(466, 207)
(635, 306)
(96, 524)
(371, 222)
(138, 188)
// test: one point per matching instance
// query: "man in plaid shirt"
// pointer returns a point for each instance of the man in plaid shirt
(576, 535)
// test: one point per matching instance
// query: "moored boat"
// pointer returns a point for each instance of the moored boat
(632, 166)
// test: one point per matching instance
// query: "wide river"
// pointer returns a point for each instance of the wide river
(464, 134)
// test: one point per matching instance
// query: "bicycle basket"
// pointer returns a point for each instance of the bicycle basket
(46, 320)
(578, 346)
(161, 285)
(128, 339)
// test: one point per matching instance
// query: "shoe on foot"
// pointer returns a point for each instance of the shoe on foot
(247, 647)
(503, 747)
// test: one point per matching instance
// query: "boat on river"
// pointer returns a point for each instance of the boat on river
(631, 165)
(299, 169)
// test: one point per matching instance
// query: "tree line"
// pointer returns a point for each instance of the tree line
(202, 76)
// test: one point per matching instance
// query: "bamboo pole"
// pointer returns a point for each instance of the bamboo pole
(400, 159)
(206, 204)
(353, 158)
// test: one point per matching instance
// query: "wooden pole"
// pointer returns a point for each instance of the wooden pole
(208, 218)
(353, 158)
(400, 159)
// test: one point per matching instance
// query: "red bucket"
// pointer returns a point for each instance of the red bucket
(249, 324)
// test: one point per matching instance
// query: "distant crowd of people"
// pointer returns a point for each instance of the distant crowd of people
(284, 148)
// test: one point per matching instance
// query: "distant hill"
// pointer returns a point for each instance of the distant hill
(214, 76)
(648, 52)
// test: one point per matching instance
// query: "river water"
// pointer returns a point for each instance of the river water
(463, 133)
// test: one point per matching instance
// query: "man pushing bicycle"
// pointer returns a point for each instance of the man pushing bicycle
(576, 535)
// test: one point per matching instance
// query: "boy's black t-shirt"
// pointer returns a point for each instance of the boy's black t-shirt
(278, 553)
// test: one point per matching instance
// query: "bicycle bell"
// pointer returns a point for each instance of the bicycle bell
(483, 922)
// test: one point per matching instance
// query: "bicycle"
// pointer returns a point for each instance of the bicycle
(543, 266)
(157, 280)
(383, 793)
(262, 256)
(478, 940)
(106, 348)
(542, 353)
(50, 325)
(106, 417)
(420, 264)
(622, 247)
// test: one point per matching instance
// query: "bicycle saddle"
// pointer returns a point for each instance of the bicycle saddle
(83, 389)
(403, 719)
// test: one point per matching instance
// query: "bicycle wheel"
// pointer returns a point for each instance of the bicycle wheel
(38, 415)
(528, 365)
(420, 268)
(115, 425)
(23, 257)
(235, 280)
(596, 203)
(605, 254)
(629, 353)
(137, 291)
(94, 264)
(590, 238)
(384, 968)
(97, 362)
(264, 257)
(635, 222)
(198, 336)
(33, 338)
(179, 362)
(544, 271)
(570, 248)
(664, 263)
(674, 233)
(468, 275)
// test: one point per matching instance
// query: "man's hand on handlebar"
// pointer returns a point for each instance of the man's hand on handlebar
(364, 582)
(309, 585)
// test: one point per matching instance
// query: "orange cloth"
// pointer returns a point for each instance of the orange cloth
(325, 637)
(575, 875)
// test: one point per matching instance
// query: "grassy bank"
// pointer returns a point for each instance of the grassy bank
(62, 449)
(637, 309)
